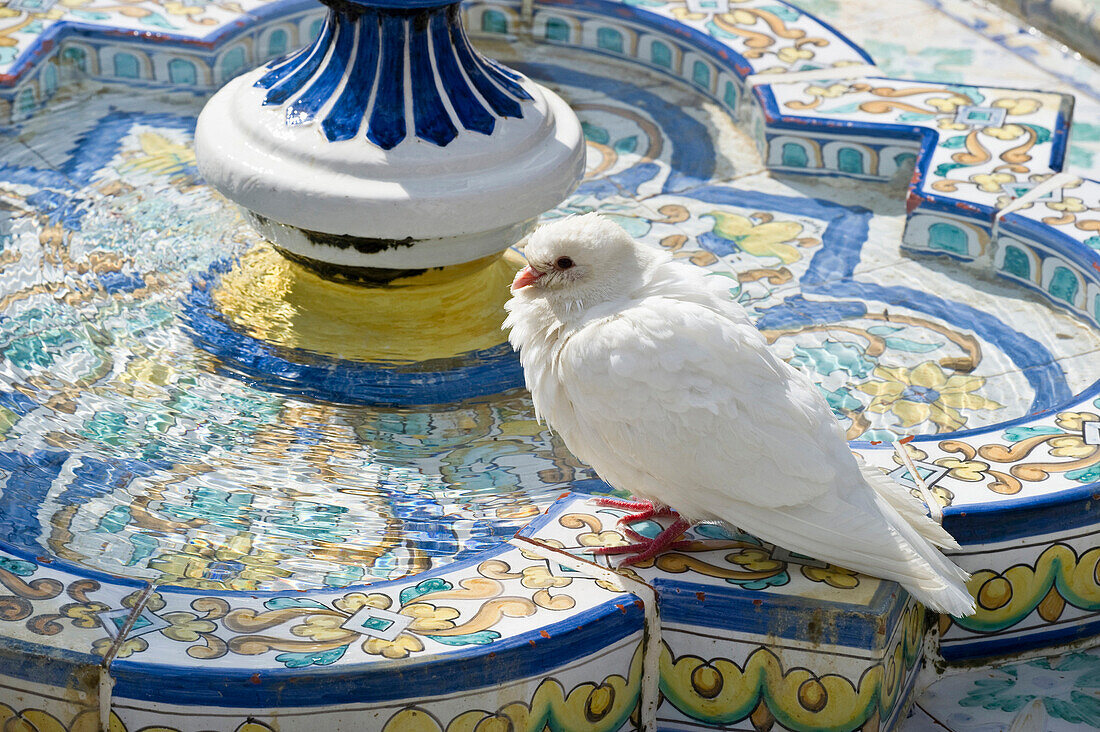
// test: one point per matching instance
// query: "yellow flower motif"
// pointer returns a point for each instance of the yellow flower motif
(832, 575)
(623, 571)
(682, 13)
(1074, 421)
(948, 104)
(160, 156)
(925, 393)
(741, 17)
(755, 560)
(538, 576)
(969, 470)
(399, 647)
(947, 123)
(790, 54)
(992, 182)
(186, 626)
(353, 602)
(943, 496)
(833, 90)
(154, 603)
(1004, 132)
(915, 453)
(527, 554)
(760, 240)
(603, 538)
(84, 615)
(191, 566)
(1071, 446)
(128, 648)
(1069, 203)
(429, 618)
(1023, 105)
(322, 628)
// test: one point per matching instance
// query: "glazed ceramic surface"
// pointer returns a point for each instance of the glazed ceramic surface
(268, 503)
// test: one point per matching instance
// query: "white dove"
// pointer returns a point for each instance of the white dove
(660, 382)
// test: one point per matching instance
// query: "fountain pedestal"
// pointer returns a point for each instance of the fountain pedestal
(389, 144)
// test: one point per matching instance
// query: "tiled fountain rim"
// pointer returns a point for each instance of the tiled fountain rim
(725, 57)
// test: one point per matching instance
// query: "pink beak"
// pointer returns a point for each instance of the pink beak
(526, 276)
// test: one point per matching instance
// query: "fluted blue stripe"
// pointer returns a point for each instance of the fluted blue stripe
(306, 106)
(430, 118)
(501, 103)
(346, 116)
(467, 106)
(282, 66)
(387, 120)
(286, 88)
(368, 47)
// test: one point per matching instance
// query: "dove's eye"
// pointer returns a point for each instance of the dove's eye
(563, 263)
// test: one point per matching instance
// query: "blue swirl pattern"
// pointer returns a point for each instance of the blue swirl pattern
(358, 64)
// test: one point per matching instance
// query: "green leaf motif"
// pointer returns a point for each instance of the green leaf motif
(952, 143)
(1042, 134)
(944, 168)
(1022, 433)
(840, 400)
(17, 566)
(1085, 475)
(718, 32)
(434, 584)
(595, 134)
(626, 145)
(317, 658)
(158, 21)
(915, 116)
(843, 109)
(776, 580)
(481, 638)
(89, 15)
(881, 330)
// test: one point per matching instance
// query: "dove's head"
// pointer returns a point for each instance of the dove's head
(581, 261)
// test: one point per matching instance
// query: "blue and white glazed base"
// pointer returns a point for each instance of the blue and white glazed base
(1018, 489)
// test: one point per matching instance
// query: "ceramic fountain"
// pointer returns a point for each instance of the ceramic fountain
(266, 461)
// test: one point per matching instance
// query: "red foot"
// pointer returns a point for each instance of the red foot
(642, 509)
(646, 548)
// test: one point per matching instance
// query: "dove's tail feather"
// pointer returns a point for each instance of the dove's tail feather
(945, 591)
(867, 534)
(908, 507)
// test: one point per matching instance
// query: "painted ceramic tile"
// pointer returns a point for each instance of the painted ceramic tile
(712, 681)
(27, 20)
(977, 128)
(1057, 694)
(715, 669)
(772, 38)
(1037, 457)
(598, 693)
(501, 598)
(76, 619)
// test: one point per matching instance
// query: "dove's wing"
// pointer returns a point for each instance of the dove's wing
(675, 401)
